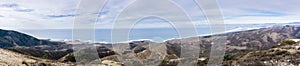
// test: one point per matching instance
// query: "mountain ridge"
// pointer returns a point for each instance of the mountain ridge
(10, 38)
(237, 42)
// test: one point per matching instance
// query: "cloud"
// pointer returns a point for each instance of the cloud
(24, 10)
(34, 14)
(59, 14)
(260, 11)
(16, 7)
(9, 5)
(256, 13)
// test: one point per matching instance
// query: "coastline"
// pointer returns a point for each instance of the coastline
(164, 40)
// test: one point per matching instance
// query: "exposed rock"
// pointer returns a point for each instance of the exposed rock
(111, 63)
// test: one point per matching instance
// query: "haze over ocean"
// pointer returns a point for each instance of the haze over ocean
(104, 35)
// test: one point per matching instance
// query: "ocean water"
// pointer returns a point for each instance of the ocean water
(104, 35)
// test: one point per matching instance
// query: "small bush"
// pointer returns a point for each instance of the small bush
(70, 58)
(288, 42)
(281, 52)
(228, 56)
(45, 56)
(163, 63)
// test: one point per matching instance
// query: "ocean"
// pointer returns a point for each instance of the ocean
(104, 35)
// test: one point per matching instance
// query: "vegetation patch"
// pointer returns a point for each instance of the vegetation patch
(228, 57)
(285, 42)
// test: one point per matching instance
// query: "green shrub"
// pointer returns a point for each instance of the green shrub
(163, 63)
(288, 42)
(70, 58)
(45, 56)
(228, 56)
(285, 42)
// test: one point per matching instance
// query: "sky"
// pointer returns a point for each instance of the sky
(60, 14)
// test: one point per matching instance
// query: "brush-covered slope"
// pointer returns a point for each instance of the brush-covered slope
(9, 38)
(9, 58)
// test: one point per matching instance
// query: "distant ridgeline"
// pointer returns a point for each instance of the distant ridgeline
(237, 42)
(9, 38)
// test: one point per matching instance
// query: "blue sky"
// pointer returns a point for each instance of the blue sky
(59, 14)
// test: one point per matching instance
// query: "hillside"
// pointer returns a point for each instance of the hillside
(282, 55)
(16, 59)
(257, 39)
(238, 44)
(9, 38)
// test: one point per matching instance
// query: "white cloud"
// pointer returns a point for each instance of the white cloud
(34, 14)
(59, 14)
(260, 11)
